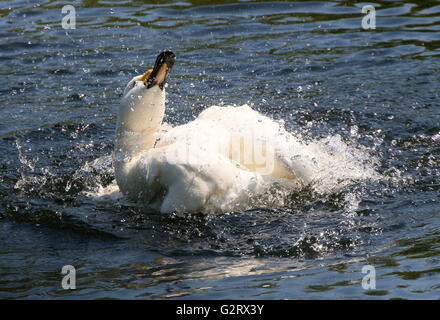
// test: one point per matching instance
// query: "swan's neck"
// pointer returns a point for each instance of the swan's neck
(139, 119)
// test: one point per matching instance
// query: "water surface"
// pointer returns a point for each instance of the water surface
(307, 63)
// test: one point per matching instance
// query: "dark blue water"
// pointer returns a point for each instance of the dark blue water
(308, 63)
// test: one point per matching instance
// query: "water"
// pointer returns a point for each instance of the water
(307, 63)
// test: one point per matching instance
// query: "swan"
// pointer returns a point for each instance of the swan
(226, 159)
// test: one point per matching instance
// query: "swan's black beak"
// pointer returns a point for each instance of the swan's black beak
(164, 63)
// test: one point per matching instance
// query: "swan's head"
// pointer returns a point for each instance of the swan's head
(143, 101)
(153, 77)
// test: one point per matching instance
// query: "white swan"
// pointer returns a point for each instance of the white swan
(225, 160)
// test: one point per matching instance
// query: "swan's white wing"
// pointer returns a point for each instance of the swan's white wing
(193, 177)
(287, 156)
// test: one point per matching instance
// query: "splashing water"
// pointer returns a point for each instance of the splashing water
(330, 165)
